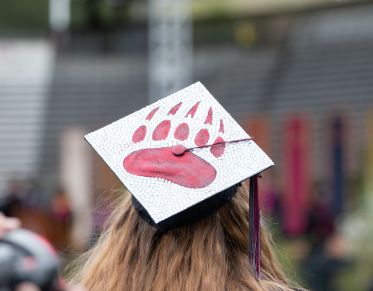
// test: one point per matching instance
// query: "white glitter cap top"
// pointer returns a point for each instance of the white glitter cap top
(178, 151)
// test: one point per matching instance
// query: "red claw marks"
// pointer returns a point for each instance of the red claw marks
(176, 164)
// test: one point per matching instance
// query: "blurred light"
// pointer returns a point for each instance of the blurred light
(245, 33)
(59, 15)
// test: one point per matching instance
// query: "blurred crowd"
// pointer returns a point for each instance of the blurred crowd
(305, 75)
(48, 215)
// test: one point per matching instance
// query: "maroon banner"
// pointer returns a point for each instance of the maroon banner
(296, 174)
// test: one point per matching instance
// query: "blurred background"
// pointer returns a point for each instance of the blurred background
(297, 75)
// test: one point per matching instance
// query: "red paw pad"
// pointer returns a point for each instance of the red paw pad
(187, 170)
(217, 149)
(139, 134)
(162, 130)
(182, 131)
(202, 138)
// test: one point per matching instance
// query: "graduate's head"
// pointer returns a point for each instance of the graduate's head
(210, 254)
(189, 223)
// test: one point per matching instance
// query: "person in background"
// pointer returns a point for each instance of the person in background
(62, 217)
(11, 203)
(8, 224)
(328, 250)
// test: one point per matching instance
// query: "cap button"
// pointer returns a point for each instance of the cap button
(178, 150)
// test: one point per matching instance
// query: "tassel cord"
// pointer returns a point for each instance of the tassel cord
(254, 226)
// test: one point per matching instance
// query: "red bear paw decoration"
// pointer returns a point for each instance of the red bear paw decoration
(180, 167)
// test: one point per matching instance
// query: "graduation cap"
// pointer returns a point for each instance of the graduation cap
(182, 158)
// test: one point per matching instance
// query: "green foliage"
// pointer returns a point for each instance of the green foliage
(26, 15)
(32, 15)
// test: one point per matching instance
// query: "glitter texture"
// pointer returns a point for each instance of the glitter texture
(236, 162)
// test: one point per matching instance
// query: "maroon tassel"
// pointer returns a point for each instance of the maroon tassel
(254, 226)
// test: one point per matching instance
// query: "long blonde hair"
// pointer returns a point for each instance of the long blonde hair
(211, 254)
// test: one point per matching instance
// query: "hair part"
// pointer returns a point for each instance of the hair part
(211, 254)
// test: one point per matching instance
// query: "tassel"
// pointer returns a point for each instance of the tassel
(254, 226)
